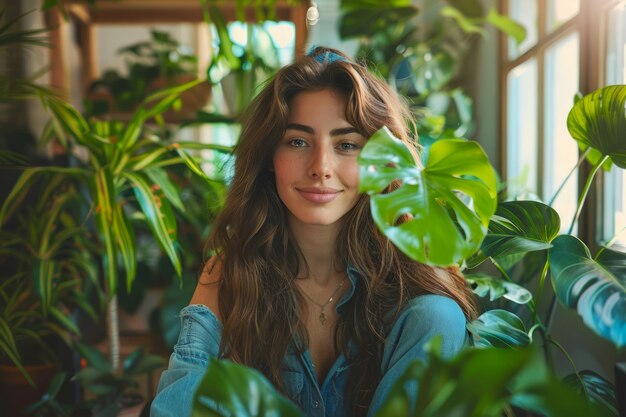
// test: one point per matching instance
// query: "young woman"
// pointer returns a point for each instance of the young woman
(303, 286)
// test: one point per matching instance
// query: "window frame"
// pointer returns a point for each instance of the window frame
(590, 23)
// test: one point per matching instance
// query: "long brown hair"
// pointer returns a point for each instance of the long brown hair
(258, 301)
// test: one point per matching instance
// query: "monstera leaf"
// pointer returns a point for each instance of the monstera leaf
(519, 227)
(448, 203)
(598, 121)
(228, 389)
(596, 288)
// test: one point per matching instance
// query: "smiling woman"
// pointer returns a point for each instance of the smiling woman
(303, 286)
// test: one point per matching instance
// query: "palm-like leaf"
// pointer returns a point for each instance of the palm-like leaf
(596, 288)
(450, 201)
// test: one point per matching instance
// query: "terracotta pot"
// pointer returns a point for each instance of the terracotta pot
(16, 393)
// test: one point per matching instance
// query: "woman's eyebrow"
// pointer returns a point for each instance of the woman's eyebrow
(335, 132)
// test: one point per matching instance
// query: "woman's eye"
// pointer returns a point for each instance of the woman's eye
(297, 143)
(348, 146)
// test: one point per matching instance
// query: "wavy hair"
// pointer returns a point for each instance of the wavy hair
(260, 305)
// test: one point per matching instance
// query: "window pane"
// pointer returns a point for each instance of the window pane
(559, 12)
(521, 171)
(560, 150)
(524, 12)
(615, 182)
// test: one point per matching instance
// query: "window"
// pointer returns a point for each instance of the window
(560, 56)
(614, 204)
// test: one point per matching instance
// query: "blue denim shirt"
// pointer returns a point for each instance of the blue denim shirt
(422, 318)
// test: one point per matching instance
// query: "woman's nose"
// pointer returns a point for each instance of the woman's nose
(321, 164)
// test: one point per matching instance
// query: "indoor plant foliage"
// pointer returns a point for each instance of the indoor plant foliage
(422, 57)
(150, 65)
(518, 376)
(124, 178)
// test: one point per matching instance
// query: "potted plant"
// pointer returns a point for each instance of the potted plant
(152, 65)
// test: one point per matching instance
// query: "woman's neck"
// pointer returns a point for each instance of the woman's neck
(318, 246)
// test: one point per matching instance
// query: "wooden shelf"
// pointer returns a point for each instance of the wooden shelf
(141, 12)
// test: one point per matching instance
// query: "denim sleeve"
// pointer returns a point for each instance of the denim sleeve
(199, 340)
(424, 317)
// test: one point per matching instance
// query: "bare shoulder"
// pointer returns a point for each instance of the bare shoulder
(207, 290)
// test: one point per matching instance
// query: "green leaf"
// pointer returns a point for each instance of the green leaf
(94, 357)
(599, 121)
(105, 201)
(23, 184)
(484, 285)
(507, 25)
(67, 322)
(191, 164)
(369, 21)
(43, 272)
(499, 328)
(159, 215)
(596, 389)
(450, 201)
(596, 288)
(125, 238)
(519, 227)
(159, 177)
(228, 389)
(450, 388)
(467, 25)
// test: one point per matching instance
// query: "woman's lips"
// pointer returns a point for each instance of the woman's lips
(318, 194)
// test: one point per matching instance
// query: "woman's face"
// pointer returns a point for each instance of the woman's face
(315, 163)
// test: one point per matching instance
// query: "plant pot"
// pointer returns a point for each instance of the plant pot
(16, 393)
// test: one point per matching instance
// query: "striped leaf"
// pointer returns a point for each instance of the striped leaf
(104, 220)
(159, 215)
(43, 273)
(171, 191)
(125, 238)
(499, 328)
(64, 320)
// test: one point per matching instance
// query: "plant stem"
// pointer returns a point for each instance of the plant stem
(114, 334)
(610, 242)
(580, 161)
(542, 281)
(569, 358)
(531, 304)
(584, 193)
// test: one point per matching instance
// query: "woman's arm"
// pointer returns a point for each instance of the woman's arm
(199, 339)
(424, 317)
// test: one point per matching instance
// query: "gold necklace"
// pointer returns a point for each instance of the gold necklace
(322, 316)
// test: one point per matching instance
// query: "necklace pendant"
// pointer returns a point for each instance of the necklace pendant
(322, 318)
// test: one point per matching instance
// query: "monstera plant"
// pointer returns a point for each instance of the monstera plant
(455, 191)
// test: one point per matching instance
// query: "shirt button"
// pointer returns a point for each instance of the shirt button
(316, 404)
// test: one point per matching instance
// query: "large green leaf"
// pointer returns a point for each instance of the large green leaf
(598, 120)
(595, 388)
(228, 389)
(499, 328)
(450, 201)
(519, 227)
(484, 285)
(596, 288)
